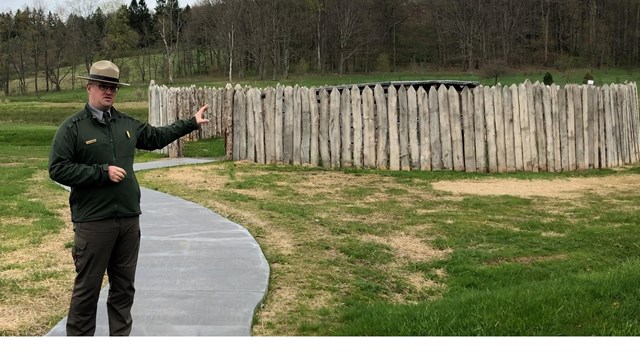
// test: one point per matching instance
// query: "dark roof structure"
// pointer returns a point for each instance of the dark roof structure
(426, 84)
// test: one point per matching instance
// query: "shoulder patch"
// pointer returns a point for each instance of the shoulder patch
(78, 116)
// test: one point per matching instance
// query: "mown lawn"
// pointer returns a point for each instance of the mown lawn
(384, 253)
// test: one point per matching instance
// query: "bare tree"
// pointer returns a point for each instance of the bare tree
(58, 40)
(226, 15)
(390, 15)
(254, 28)
(37, 33)
(170, 21)
(318, 9)
(463, 26)
(545, 13)
(286, 25)
(346, 30)
(6, 26)
(19, 47)
(74, 25)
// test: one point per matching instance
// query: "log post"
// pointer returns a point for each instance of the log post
(369, 128)
(356, 111)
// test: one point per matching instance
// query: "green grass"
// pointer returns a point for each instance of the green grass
(358, 252)
(39, 113)
(602, 303)
(134, 93)
(508, 265)
(23, 153)
(207, 148)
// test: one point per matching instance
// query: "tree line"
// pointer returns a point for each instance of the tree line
(274, 38)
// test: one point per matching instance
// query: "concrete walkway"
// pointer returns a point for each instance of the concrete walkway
(199, 274)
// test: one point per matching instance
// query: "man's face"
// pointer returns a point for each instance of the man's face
(102, 95)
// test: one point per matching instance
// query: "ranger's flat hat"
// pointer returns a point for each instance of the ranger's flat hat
(105, 72)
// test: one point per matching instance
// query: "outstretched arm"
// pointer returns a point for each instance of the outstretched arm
(151, 138)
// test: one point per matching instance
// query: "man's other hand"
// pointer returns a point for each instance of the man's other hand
(116, 173)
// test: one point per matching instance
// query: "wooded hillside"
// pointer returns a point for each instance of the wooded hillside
(273, 38)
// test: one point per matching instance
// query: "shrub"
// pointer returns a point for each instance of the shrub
(548, 79)
(587, 77)
(383, 64)
(302, 66)
(495, 70)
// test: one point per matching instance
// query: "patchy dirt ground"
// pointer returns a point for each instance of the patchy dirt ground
(564, 189)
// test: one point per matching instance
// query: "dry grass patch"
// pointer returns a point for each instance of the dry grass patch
(528, 260)
(561, 189)
(410, 248)
(425, 286)
(195, 177)
(41, 274)
(17, 221)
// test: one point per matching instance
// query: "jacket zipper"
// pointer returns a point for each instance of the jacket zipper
(113, 148)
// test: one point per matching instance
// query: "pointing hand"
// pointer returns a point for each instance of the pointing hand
(199, 115)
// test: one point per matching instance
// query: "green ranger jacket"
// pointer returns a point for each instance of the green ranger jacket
(82, 150)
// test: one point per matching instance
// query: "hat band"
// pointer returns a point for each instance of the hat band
(104, 78)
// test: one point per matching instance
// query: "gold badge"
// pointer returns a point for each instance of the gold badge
(92, 141)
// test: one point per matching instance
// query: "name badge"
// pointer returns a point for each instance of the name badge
(92, 141)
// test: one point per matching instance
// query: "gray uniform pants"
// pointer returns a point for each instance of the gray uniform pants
(109, 245)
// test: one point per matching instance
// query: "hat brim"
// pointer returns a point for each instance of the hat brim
(101, 80)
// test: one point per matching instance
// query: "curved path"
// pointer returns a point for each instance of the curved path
(198, 273)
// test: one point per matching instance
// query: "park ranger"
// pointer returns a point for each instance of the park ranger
(92, 153)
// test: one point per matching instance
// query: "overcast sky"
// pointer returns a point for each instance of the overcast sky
(63, 6)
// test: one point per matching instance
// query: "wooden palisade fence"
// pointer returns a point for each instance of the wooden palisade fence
(526, 127)
(169, 104)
